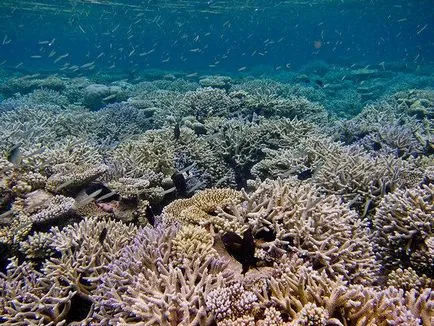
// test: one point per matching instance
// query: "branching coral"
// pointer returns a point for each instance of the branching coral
(86, 249)
(153, 151)
(143, 285)
(241, 144)
(70, 176)
(190, 241)
(305, 295)
(404, 226)
(26, 85)
(230, 302)
(27, 216)
(320, 228)
(361, 179)
(26, 298)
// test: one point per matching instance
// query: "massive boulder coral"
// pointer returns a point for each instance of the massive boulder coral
(403, 225)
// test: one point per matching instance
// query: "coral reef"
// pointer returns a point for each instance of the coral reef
(226, 200)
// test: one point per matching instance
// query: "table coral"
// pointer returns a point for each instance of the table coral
(202, 208)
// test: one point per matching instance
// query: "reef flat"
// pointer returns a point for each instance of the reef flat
(305, 198)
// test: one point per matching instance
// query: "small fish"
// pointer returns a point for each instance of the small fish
(61, 57)
(15, 156)
(179, 182)
(150, 216)
(102, 236)
(106, 195)
(304, 175)
(319, 83)
(177, 131)
(242, 249)
(110, 97)
(87, 65)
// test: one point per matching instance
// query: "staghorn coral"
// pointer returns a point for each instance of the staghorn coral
(418, 102)
(321, 229)
(122, 120)
(86, 248)
(143, 285)
(30, 216)
(222, 82)
(202, 208)
(403, 227)
(361, 179)
(304, 295)
(149, 152)
(208, 102)
(27, 298)
(301, 151)
(27, 84)
(270, 105)
(241, 144)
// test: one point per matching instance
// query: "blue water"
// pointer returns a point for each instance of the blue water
(212, 36)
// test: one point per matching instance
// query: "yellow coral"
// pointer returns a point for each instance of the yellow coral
(190, 241)
(201, 208)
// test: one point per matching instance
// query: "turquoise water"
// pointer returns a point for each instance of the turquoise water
(212, 36)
